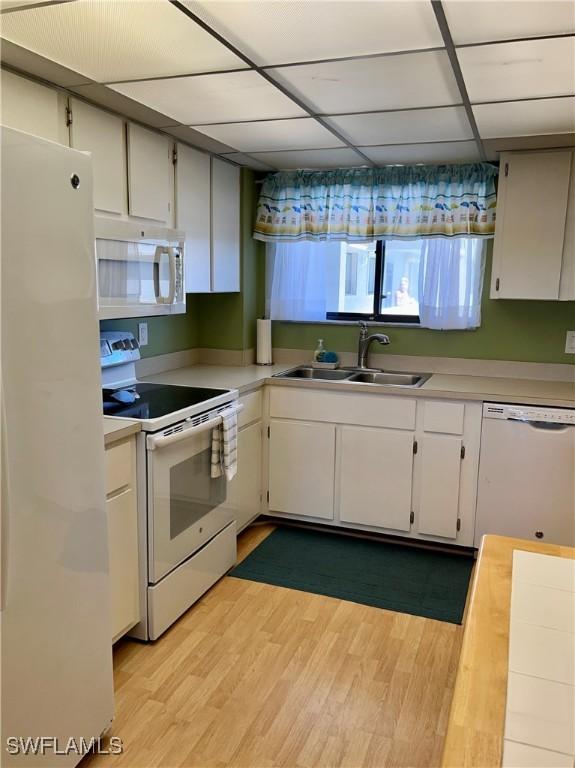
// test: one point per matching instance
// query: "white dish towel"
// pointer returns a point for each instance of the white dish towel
(225, 446)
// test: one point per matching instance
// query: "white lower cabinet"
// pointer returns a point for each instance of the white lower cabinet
(122, 513)
(302, 468)
(407, 466)
(375, 469)
(439, 485)
(245, 490)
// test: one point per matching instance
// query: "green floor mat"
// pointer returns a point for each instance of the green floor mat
(399, 578)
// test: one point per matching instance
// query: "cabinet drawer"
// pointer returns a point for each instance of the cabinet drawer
(118, 466)
(443, 417)
(342, 408)
(252, 408)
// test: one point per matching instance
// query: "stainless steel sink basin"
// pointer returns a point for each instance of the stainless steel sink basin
(388, 378)
(307, 372)
(385, 378)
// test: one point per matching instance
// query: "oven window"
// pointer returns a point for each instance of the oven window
(193, 492)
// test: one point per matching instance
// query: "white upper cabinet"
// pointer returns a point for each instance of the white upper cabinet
(103, 135)
(33, 108)
(533, 254)
(150, 174)
(193, 215)
(225, 227)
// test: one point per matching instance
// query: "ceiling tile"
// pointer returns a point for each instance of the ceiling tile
(441, 152)
(198, 139)
(473, 22)
(302, 133)
(38, 66)
(105, 97)
(106, 40)
(383, 82)
(312, 158)
(207, 99)
(529, 69)
(284, 31)
(248, 161)
(417, 125)
(525, 118)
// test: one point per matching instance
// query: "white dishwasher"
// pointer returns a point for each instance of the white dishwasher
(527, 473)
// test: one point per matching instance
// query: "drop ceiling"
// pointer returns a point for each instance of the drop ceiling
(315, 83)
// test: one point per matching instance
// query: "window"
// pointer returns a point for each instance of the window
(435, 282)
(381, 282)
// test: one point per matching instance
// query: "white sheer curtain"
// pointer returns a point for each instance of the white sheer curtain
(451, 282)
(297, 279)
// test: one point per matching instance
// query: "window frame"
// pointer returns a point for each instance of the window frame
(378, 296)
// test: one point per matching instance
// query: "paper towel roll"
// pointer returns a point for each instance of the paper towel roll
(264, 341)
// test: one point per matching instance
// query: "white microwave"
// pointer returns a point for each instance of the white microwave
(140, 269)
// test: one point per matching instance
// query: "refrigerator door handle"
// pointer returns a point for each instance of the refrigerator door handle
(4, 549)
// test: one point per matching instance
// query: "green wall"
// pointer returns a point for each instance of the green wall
(168, 333)
(529, 331)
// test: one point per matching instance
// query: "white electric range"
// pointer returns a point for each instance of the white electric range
(187, 535)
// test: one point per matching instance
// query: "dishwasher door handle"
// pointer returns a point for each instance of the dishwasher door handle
(550, 426)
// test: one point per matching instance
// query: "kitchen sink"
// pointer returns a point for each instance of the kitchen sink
(307, 372)
(385, 378)
(388, 378)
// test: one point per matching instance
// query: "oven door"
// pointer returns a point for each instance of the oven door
(185, 504)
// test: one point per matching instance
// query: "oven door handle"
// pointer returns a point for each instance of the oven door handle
(160, 441)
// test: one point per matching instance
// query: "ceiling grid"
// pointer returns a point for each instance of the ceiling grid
(367, 83)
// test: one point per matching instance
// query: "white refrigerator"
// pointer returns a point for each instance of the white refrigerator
(56, 656)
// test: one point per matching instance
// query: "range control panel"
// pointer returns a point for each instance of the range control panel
(117, 347)
(536, 413)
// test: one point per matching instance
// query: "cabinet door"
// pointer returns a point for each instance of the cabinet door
(375, 469)
(225, 227)
(193, 215)
(123, 558)
(244, 491)
(150, 174)
(440, 467)
(302, 468)
(33, 108)
(530, 229)
(103, 135)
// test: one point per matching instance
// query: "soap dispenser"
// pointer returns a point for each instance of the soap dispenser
(320, 352)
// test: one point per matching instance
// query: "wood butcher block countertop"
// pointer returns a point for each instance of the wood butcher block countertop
(477, 718)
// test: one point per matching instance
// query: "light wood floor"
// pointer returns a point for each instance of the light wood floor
(255, 676)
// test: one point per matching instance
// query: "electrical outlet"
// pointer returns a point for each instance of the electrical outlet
(142, 334)
(570, 342)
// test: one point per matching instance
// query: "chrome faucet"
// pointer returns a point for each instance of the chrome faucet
(364, 341)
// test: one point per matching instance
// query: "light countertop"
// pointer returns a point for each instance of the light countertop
(117, 429)
(477, 718)
(440, 385)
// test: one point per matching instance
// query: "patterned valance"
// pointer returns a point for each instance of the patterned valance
(364, 204)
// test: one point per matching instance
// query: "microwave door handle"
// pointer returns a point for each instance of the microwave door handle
(157, 257)
(161, 441)
(172, 294)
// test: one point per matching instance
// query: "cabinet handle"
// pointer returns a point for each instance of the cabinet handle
(497, 284)
(462, 451)
(458, 524)
(415, 446)
(412, 517)
(539, 534)
(506, 169)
